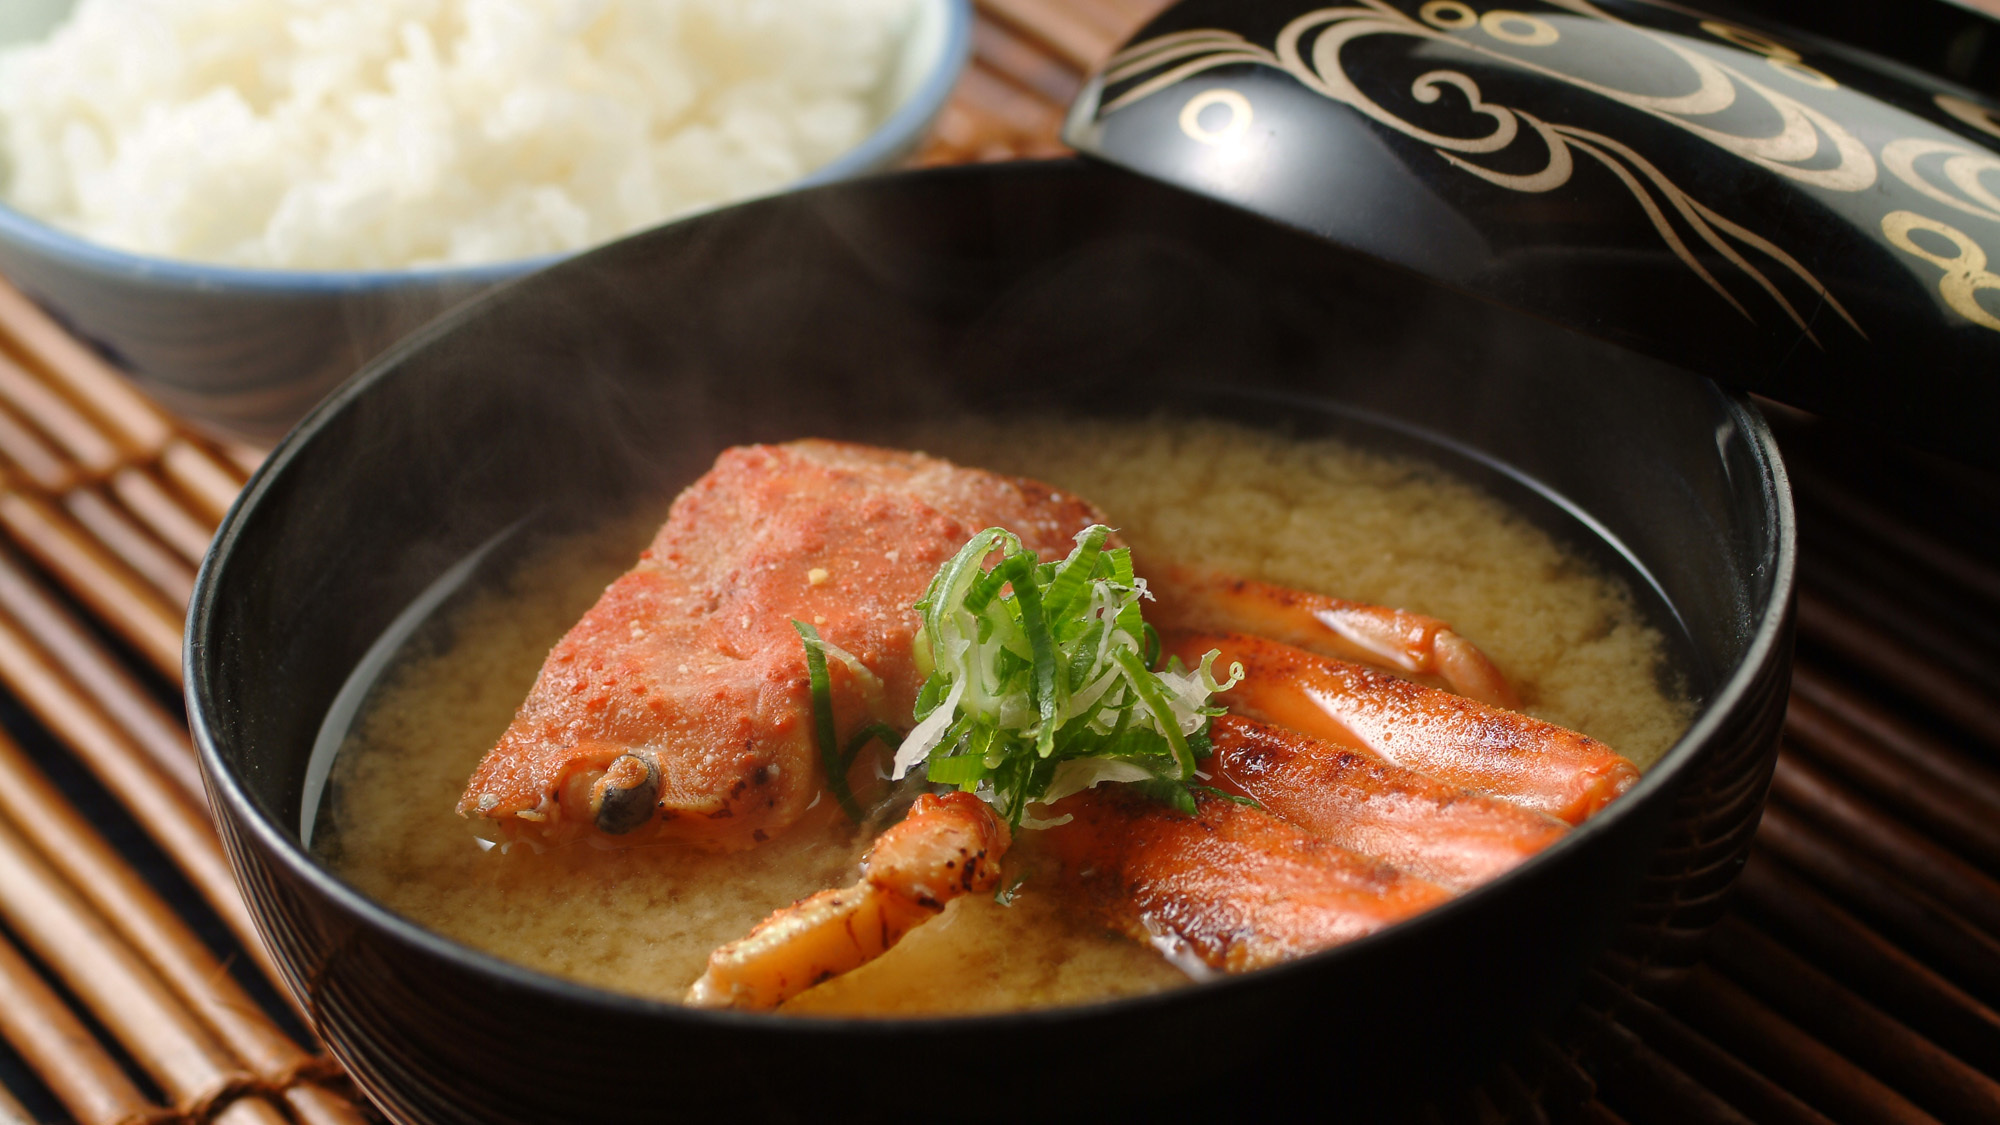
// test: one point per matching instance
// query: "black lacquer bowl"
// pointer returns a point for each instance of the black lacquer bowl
(848, 310)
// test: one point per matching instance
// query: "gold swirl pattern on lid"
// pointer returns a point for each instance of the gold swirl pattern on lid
(1770, 128)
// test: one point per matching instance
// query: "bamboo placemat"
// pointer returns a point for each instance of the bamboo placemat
(1855, 981)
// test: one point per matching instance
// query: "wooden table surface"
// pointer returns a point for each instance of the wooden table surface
(1854, 980)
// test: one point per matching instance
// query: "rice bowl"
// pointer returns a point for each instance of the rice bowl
(245, 351)
(268, 134)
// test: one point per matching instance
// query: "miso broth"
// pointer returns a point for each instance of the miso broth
(1314, 514)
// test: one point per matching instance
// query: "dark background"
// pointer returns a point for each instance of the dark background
(1937, 36)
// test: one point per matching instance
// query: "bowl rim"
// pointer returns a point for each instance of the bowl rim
(1768, 640)
(899, 130)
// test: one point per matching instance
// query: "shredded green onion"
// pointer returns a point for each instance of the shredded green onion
(833, 758)
(1223, 794)
(1041, 681)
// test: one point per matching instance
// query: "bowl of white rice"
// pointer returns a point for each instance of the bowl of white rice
(242, 201)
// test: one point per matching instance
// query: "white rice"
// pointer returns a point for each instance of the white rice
(353, 134)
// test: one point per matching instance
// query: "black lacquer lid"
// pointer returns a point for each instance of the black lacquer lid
(1780, 213)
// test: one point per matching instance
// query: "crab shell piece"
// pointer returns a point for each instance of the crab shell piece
(678, 708)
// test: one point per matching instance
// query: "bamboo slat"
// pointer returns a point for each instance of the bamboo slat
(33, 457)
(1900, 848)
(192, 1069)
(1961, 951)
(1920, 550)
(1740, 1023)
(1632, 1073)
(1064, 29)
(1904, 666)
(203, 478)
(1728, 1077)
(1949, 1089)
(1890, 735)
(162, 514)
(316, 1105)
(250, 1111)
(162, 569)
(243, 456)
(1955, 813)
(69, 428)
(12, 1112)
(140, 427)
(66, 841)
(95, 577)
(179, 827)
(1900, 617)
(1871, 964)
(67, 1057)
(1030, 126)
(1514, 1101)
(98, 673)
(1021, 62)
(191, 1031)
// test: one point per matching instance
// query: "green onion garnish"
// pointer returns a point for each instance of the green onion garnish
(1041, 686)
(833, 758)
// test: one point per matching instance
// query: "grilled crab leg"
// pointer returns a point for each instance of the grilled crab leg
(1456, 740)
(1235, 886)
(945, 847)
(1408, 644)
(1440, 832)
(1346, 840)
